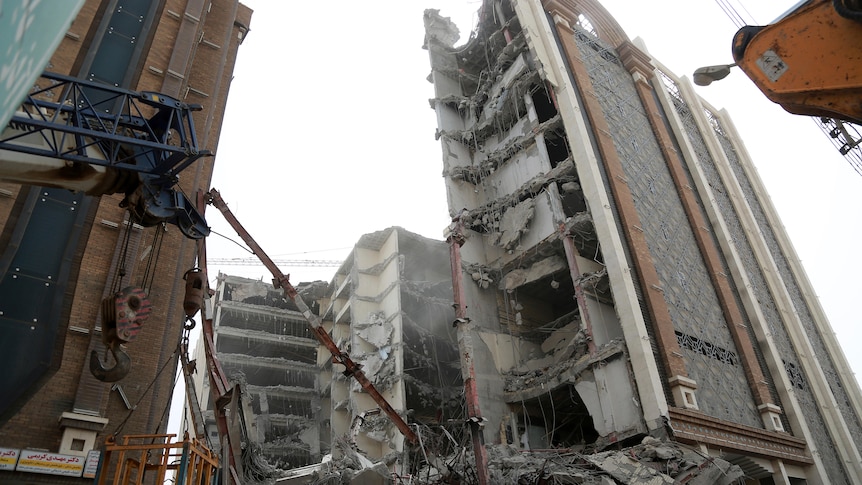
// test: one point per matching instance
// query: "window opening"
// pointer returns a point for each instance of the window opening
(584, 23)
(557, 147)
(556, 419)
(77, 445)
(543, 103)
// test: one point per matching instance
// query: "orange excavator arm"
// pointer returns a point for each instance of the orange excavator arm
(809, 61)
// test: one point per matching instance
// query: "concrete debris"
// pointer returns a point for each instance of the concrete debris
(566, 342)
(378, 427)
(628, 470)
(652, 462)
(656, 461)
(487, 218)
(352, 468)
(256, 469)
(440, 29)
(380, 371)
(581, 225)
(525, 383)
(482, 278)
(378, 365)
(313, 291)
(514, 224)
(518, 144)
(242, 292)
(591, 280)
(377, 331)
(535, 272)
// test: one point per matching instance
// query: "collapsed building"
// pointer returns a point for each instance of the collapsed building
(390, 307)
(625, 273)
(265, 345)
(633, 309)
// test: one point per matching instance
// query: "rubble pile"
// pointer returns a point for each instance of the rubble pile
(652, 462)
(352, 468)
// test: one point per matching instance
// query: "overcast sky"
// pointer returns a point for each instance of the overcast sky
(329, 135)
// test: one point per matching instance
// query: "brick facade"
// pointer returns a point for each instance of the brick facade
(220, 25)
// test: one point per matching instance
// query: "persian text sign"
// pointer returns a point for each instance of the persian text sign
(50, 463)
(8, 458)
(92, 464)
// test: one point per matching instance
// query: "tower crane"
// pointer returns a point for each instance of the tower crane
(100, 139)
(306, 263)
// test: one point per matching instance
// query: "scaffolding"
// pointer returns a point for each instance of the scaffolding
(148, 458)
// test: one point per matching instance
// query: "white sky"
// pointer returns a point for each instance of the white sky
(329, 135)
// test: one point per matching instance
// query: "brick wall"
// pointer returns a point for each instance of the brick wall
(35, 426)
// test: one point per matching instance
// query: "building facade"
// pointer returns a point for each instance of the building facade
(61, 252)
(642, 281)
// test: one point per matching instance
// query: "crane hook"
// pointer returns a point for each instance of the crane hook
(118, 371)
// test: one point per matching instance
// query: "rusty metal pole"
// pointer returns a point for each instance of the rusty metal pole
(572, 260)
(465, 346)
(575, 273)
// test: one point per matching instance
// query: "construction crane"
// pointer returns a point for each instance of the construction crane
(307, 263)
(100, 139)
(97, 139)
(280, 280)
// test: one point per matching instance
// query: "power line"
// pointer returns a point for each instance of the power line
(315, 263)
(733, 14)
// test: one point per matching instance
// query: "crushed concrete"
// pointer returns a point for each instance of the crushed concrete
(380, 370)
(313, 291)
(351, 468)
(652, 462)
(565, 342)
(482, 278)
(514, 223)
(535, 272)
(525, 383)
(487, 218)
(377, 331)
(439, 28)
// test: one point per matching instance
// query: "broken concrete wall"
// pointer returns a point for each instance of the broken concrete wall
(393, 315)
(607, 392)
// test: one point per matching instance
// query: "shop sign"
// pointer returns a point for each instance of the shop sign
(50, 463)
(8, 458)
(92, 463)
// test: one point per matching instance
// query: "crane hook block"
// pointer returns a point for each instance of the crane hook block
(195, 279)
(123, 315)
(112, 374)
